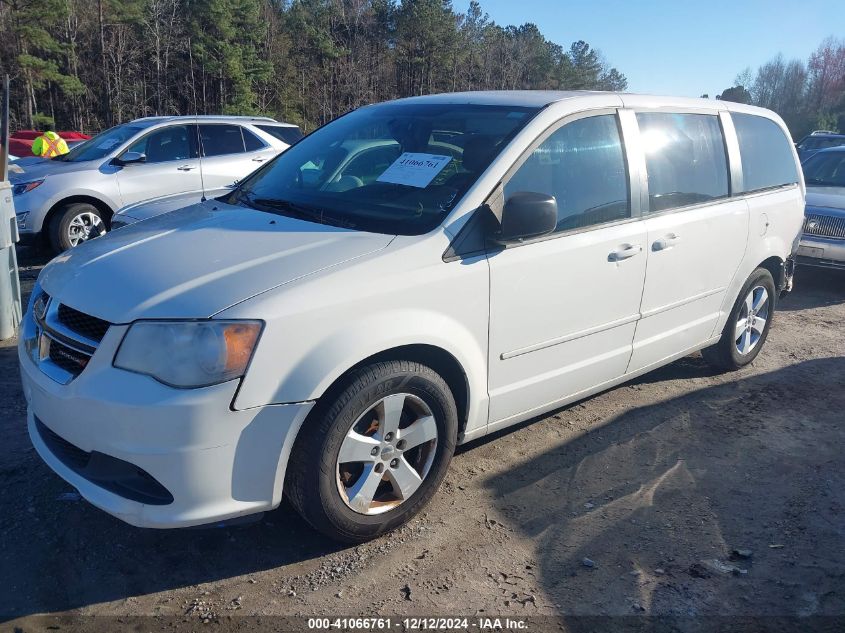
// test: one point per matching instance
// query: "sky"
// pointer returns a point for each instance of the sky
(679, 47)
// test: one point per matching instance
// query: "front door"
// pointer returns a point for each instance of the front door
(563, 309)
(696, 235)
(171, 165)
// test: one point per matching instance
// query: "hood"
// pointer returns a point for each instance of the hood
(829, 197)
(164, 204)
(197, 261)
(30, 169)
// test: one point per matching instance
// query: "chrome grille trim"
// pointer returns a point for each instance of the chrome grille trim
(55, 341)
(824, 225)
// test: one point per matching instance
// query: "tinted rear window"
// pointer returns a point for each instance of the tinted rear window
(251, 141)
(685, 158)
(285, 133)
(221, 139)
(766, 152)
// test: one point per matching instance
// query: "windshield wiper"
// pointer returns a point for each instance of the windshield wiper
(299, 211)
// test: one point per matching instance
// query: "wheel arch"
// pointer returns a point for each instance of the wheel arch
(775, 265)
(440, 360)
(100, 205)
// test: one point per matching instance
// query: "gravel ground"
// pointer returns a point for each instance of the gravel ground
(684, 493)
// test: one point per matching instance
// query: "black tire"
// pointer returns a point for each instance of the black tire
(314, 491)
(58, 231)
(725, 354)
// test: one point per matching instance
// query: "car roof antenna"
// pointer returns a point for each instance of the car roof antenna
(200, 152)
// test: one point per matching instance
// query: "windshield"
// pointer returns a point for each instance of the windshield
(826, 169)
(392, 168)
(101, 145)
(822, 142)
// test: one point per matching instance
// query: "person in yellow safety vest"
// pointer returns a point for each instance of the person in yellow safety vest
(49, 144)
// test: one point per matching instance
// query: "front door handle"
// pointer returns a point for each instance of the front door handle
(624, 252)
(666, 242)
(186, 168)
(258, 159)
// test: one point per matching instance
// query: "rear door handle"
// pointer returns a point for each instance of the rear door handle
(186, 168)
(258, 159)
(624, 252)
(666, 242)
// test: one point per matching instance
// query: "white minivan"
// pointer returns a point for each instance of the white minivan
(409, 277)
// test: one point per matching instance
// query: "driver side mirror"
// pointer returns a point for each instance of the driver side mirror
(527, 214)
(131, 158)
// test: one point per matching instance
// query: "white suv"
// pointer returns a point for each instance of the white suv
(72, 198)
(412, 276)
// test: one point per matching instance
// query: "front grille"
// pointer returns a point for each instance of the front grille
(115, 475)
(72, 361)
(65, 338)
(88, 326)
(824, 225)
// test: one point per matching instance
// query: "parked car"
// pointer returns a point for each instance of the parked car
(823, 242)
(818, 140)
(72, 198)
(336, 343)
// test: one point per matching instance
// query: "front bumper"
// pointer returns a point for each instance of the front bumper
(825, 252)
(216, 463)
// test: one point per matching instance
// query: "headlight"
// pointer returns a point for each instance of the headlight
(21, 219)
(25, 187)
(189, 353)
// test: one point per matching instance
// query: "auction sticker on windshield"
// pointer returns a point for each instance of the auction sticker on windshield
(414, 169)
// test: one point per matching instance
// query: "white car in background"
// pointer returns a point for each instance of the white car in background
(333, 334)
(72, 198)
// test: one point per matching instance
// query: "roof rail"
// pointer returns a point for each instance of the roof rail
(234, 117)
(212, 117)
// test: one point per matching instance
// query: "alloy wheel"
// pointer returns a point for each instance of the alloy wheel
(84, 226)
(752, 320)
(386, 454)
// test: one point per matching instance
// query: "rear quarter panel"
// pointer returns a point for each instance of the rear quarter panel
(776, 220)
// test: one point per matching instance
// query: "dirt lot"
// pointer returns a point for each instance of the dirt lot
(655, 483)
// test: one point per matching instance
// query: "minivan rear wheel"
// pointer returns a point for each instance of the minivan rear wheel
(75, 223)
(374, 454)
(748, 324)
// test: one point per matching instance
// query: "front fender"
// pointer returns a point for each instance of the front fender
(62, 194)
(328, 358)
(317, 332)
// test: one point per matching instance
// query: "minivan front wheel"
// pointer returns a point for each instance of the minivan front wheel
(75, 223)
(748, 324)
(372, 457)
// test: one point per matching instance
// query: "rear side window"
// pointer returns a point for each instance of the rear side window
(583, 166)
(251, 141)
(766, 153)
(289, 134)
(685, 158)
(218, 140)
